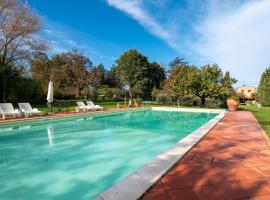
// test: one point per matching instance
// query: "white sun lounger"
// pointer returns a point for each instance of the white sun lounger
(83, 107)
(92, 105)
(27, 109)
(6, 109)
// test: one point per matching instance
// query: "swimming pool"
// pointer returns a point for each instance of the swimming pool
(80, 157)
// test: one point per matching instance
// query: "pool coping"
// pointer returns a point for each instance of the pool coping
(137, 183)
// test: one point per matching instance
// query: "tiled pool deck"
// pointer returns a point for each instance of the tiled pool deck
(231, 162)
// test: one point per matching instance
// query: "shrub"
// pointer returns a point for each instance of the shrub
(196, 101)
(164, 99)
(188, 100)
(235, 98)
(213, 103)
(17, 92)
(138, 100)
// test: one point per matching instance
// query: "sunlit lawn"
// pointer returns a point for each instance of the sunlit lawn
(106, 105)
(72, 107)
(263, 116)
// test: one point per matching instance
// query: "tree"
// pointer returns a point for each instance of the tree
(157, 75)
(41, 69)
(18, 41)
(255, 96)
(97, 76)
(226, 89)
(133, 71)
(209, 82)
(78, 67)
(264, 91)
(112, 79)
(182, 80)
(206, 82)
(18, 28)
(70, 70)
(177, 62)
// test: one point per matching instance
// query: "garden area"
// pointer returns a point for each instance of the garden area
(26, 68)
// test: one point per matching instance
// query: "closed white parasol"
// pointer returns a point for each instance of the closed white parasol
(50, 92)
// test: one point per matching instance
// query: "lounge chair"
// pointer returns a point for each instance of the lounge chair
(92, 105)
(6, 109)
(83, 107)
(27, 109)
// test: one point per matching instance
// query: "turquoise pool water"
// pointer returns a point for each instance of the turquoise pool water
(80, 157)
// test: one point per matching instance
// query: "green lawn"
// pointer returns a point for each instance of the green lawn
(263, 116)
(106, 105)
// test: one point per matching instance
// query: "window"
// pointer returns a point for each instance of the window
(249, 91)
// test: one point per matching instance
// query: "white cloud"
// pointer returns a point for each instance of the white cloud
(62, 38)
(137, 10)
(59, 41)
(232, 33)
(62, 42)
(237, 39)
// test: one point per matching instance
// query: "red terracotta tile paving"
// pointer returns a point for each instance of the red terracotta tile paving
(173, 182)
(157, 187)
(263, 197)
(203, 179)
(182, 194)
(265, 170)
(231, 162)
(207, 193)
(231, 190)
(156, 196)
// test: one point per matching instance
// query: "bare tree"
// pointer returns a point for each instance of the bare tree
(18, 28)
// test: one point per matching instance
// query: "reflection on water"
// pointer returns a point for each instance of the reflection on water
(25, 127)
(6, 129)
(50, 133)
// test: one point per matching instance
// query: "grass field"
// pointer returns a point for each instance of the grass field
(106, 105)
(72, 107)
(263, 115)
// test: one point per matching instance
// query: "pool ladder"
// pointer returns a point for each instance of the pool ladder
(147, 107)
(146, 104)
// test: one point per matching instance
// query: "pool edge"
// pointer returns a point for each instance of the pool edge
(137, 183)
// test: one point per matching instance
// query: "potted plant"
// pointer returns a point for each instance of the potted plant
(232, 103)
(138, 102)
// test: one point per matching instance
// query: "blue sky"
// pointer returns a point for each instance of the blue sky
(232, 33)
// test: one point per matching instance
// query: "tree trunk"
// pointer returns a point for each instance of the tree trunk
(77, 92)
(202, 101)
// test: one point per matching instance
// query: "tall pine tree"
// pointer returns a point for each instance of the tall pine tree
(264, 88)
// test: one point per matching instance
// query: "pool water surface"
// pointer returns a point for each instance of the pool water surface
(80, 157)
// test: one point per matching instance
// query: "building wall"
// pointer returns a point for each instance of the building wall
(246, 90)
